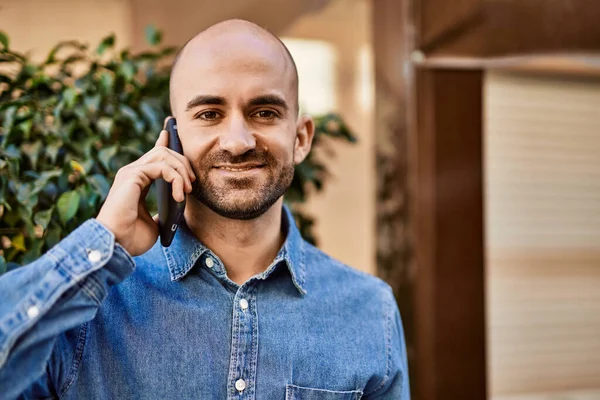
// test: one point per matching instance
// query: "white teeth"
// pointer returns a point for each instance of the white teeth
(235, 169)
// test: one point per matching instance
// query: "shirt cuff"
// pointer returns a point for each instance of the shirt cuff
(90, 247)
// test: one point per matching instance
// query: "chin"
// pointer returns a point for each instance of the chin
(240, 210)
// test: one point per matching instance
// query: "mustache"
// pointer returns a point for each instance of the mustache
(253, 155)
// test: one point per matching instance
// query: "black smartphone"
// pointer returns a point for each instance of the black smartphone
(170, 212)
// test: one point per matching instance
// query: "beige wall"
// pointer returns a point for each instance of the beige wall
(345, 211)
(37, 25)
(542, 167)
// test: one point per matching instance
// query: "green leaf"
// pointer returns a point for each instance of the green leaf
(9, 118)
(106, 154)
(34, 252)
(13, 152)
(127, 70)
(47, 175)
(150, 112)
(43, 180)
(306, 171)
(32, 151)
(130, 114)
(24, 193)
(53, 236)
(11, 217)
(107, 43)
(12, 253)
(43, 217)
(14, 167)
(29, 227)
(92, 103)
(153, 36)
(66, 44)
(68, 204)
(92, 198)
(88, 165)
(105, 126)
(100, 183)
(52, 150)
(4, 40)
(26, 127)
(6, 205)
(26, 210)
(85, 146)
(70, 95)
(107, 81)
(58, 110)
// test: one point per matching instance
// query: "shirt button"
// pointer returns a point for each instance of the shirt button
(209, 262)
(244, 304)
(94, 256)
(33, 311)
(240, 385)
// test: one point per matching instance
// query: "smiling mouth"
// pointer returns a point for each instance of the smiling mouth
(238, 169)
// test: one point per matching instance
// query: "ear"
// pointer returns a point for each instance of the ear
(305, 131)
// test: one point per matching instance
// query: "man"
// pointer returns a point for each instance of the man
(239, 306)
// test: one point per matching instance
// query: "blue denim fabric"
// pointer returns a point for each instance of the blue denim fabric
(87, 321)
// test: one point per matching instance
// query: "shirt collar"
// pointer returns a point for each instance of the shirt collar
(186, 249)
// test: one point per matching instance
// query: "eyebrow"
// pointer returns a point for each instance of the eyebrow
(268, 100)
(202, 100)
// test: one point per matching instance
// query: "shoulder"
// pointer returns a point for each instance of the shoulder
(328, 274)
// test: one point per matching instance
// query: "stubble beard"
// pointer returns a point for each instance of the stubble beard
(252, 199)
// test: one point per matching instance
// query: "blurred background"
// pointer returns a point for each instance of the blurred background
(474, 185)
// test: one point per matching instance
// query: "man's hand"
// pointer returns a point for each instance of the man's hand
(124, 212)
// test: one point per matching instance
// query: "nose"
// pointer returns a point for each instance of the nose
(237, 138)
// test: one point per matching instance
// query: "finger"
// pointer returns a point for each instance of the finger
(183, 171)
(177, 175)
(176, 160)
(177, 182)
(155, 218)
(178, 190)
(163, 139)
(165, 123)
(145, 174)
(184, 160)
(181, 157)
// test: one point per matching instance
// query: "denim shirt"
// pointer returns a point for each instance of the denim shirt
(88, 321)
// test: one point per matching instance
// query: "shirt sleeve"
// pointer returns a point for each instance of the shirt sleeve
(44, 301)
(395, 384)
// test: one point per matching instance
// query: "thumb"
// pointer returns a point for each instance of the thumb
(155, 218)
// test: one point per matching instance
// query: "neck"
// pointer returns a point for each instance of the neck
(246, 248)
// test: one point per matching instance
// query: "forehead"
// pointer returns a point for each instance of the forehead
(236, 65)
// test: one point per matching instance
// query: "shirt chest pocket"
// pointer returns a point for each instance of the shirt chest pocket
(293, 392)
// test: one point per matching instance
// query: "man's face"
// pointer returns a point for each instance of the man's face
(235, 103)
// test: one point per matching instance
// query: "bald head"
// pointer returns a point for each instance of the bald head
(234, 39)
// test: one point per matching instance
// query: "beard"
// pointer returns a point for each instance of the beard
(242, 198)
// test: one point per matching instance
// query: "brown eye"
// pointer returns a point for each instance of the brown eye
(209, 115)
(266, 114)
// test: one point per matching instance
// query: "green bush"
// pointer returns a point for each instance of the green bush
(70, 122)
